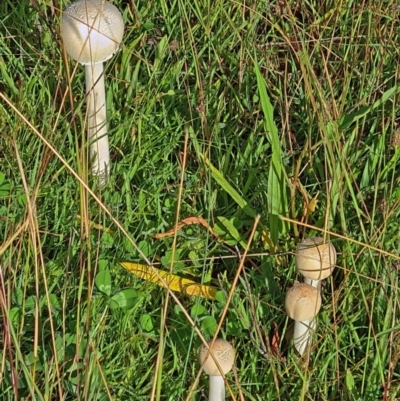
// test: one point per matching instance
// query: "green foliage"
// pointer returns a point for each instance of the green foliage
(103, 281)
(282, 103)
(124, 299)
(5, 186)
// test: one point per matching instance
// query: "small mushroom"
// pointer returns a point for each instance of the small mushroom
(224, 354)
(92, 31)
(302, 304)
(315, 260)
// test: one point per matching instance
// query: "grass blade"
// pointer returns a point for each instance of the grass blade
(228, 188)
(276, 191)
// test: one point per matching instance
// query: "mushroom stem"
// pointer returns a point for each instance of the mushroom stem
(217, 388)
(314, 283)
(97, 121)
(302, 335)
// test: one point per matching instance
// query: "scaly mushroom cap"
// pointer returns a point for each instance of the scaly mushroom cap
(92, 30)
(315, 259)
(302, 302)
(223, 352)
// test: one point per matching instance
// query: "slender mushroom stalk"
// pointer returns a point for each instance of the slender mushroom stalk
(302, 304)
(224, 354)
(302, 335)
(92, 31)
(216, 391)
(315, 260)
(97, 120)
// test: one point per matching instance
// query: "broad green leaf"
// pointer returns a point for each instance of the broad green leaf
(103, 264)
(146, 323)
(209, 325)
(113, 304)
(220, 296)
(103, 281)
(30, 302)
(124, 299)
(145, 247)
(197, 310)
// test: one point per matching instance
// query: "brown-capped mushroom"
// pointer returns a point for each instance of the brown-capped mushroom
(315, 260)
(302, 304)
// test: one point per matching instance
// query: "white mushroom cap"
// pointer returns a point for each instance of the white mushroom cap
(302, 302)
(223, 352)
(92, 30)
(315, 259)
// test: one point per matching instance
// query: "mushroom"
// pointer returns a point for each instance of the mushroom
(92, 31)
(315, 260)
(224, 354)
(302, 304)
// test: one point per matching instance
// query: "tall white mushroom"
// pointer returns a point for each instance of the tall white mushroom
(302, 304)
(224, 354)
(92, 31)
(315, 260)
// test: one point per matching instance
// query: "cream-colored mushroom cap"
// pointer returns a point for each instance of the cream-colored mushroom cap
(302, 302)
(92, 30)
(315, 259)
(223, 352)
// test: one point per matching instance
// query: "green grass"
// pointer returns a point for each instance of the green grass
(279, 101)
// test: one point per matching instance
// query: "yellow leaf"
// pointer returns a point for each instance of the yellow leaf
(312, 205)
(266, 239)
(174, 282)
